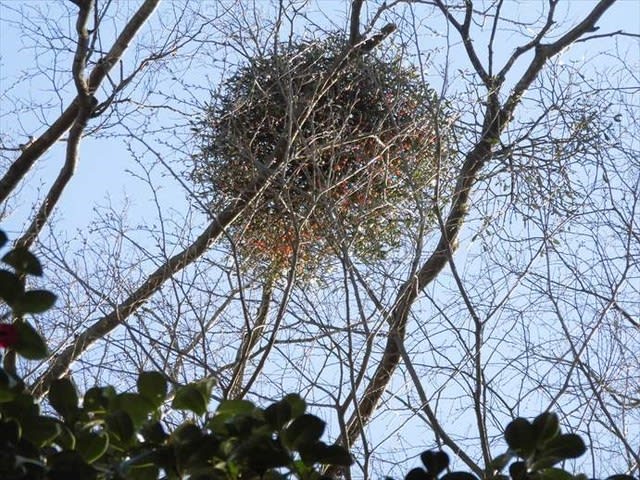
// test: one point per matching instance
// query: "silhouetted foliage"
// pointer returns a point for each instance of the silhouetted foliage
(111, 435)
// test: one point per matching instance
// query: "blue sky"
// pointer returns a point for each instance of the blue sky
(103, 176)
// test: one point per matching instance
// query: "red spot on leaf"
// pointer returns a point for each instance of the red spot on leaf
(8, 335)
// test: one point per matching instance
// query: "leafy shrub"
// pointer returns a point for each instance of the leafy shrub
(111, 435)
(535, 450)
(20, 335)
(121, 436)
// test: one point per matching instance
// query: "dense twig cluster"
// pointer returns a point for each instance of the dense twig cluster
(362, 139)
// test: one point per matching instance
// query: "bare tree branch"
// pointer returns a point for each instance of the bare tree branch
(33, 152)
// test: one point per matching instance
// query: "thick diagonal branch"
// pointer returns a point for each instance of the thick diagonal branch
(408, 293)
(60, 364)
(496, 119)
(249, 341)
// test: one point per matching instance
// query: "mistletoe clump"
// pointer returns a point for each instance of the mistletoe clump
(349, 138)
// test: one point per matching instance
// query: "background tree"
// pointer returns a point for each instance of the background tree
(537, 308)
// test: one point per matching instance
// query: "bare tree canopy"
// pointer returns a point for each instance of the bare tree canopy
(463, 176)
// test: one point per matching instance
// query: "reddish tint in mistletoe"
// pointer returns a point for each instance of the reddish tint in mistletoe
(367, 141)
(8, 335)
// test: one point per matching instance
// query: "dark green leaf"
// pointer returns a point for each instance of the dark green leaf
(3, 239)
(66, 465)
(459, 476)
(242, 424)
(202, 453)
(298, 405)
(278, 414)
(30, 344)
(435, 461)
(189, 397)
(520, 437)
(205, 386)
(146, 472)
(9, 386)
(230, 416)
(10, 432)
(153, 386)
(501, 461)
(92, 445)
(158, 456)
(6, 394)
(218, 425)
(186, 433)
(120, 425)
(35, 301)
(554, 474)
(41, 430)
(209, 473)
(546, 427)
(275, 475)
(137, 406)
(63, 397)
(333, 455)
(21, 406)
(310, 454)
(235, 407)
(261, 453)
(66, 439)
(153, 432)
(565, 446)
(620, 477)
(303, 432)
(518, 470)
(544, 460)
(23, 261)
(215, 474)
(418, 474)
(11, 288)
(97, 399)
